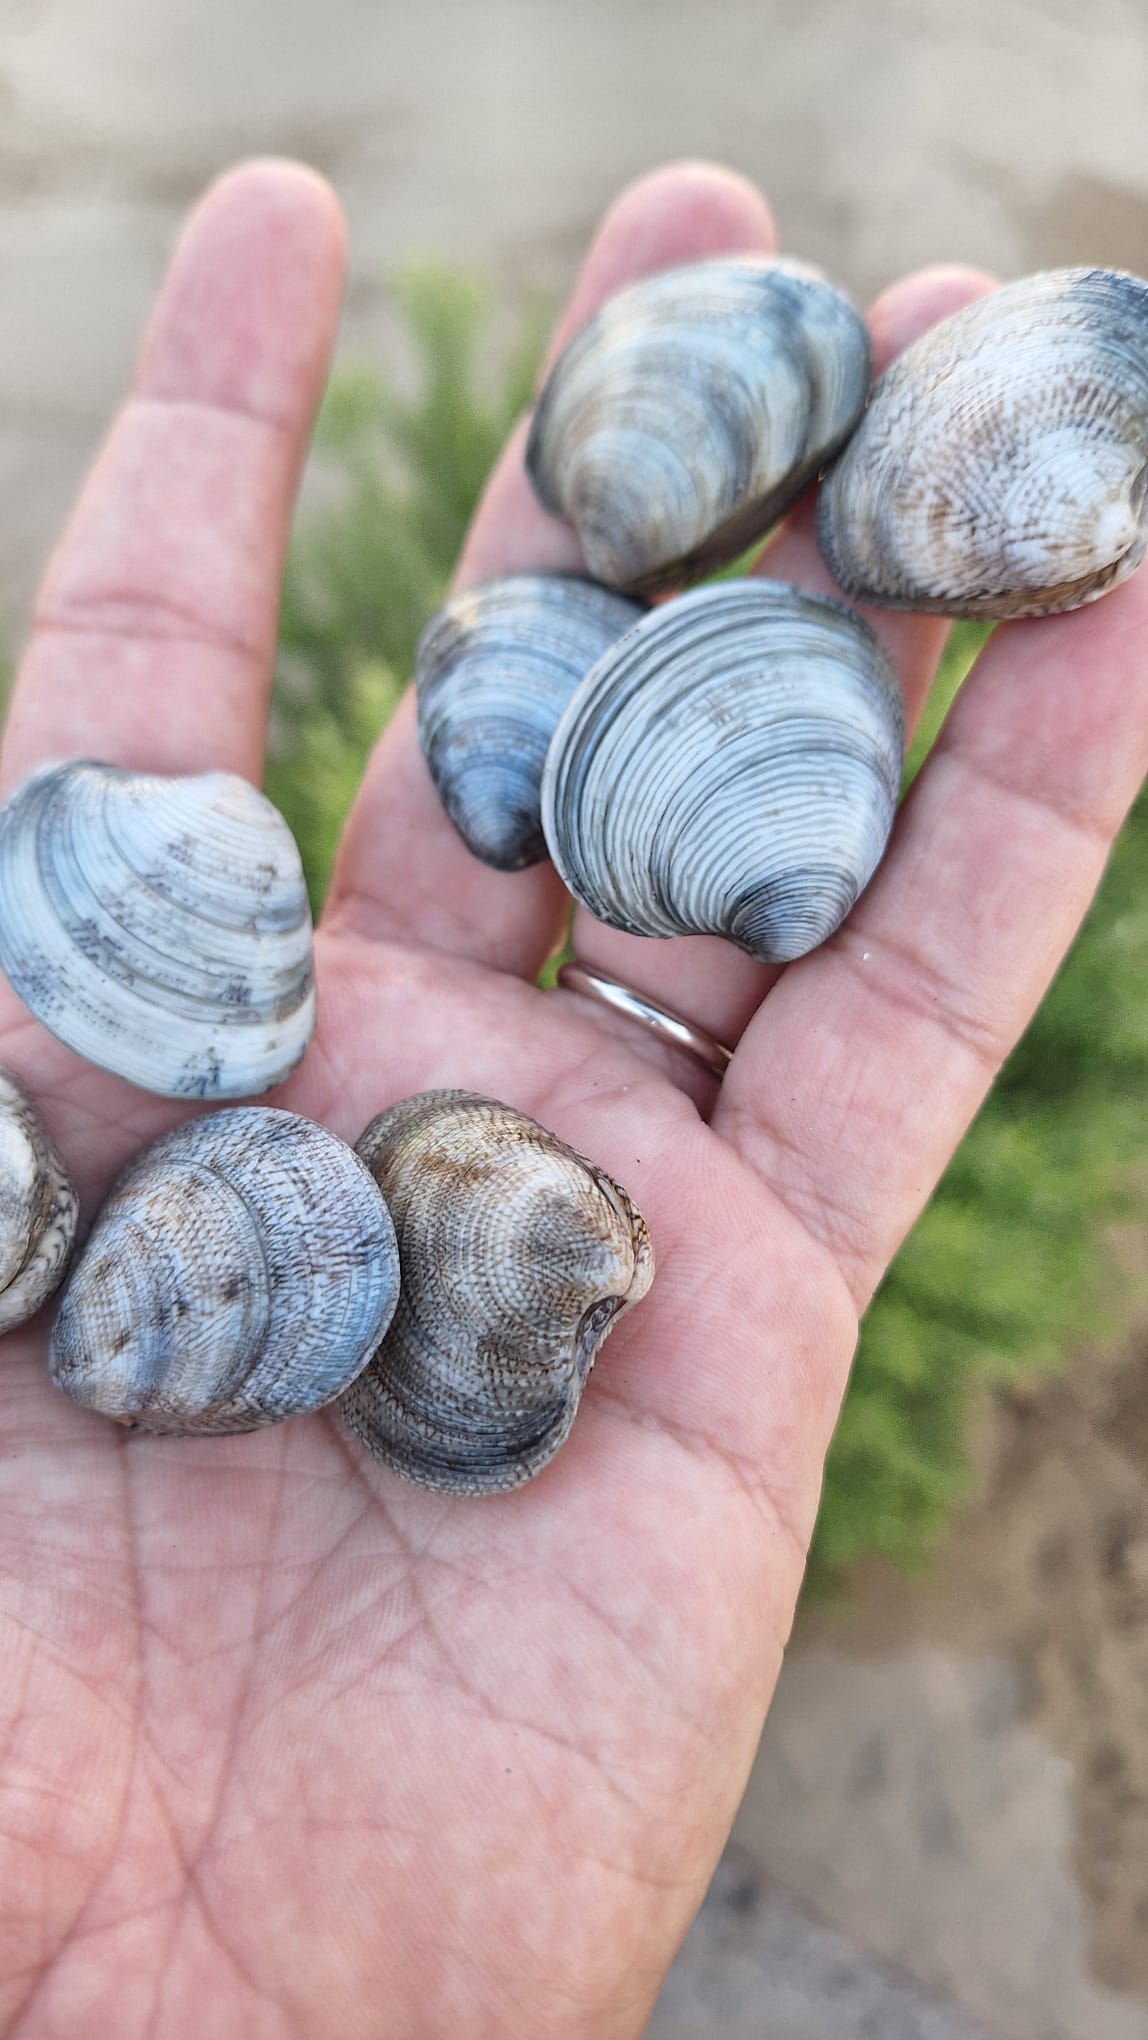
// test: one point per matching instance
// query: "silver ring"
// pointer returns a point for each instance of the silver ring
(671, 1027)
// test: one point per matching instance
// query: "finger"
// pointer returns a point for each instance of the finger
(155, 628)
(857, 1079)
(700, 976)
(403, 872)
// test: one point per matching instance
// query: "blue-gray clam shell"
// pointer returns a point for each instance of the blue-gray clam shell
(518, 1258)
(730, 768)
(37, 1208)
(242, 1270)
(493, 671)
(159, 926)
(1001, 468)
(684, 419)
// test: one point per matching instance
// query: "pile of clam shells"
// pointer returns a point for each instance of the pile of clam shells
(729, 764)
(726, 763)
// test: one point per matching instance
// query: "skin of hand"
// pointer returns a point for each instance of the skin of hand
(290, 1748)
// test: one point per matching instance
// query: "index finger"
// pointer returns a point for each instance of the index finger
(155, 627)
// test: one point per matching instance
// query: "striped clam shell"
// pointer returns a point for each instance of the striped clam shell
(517, 1257)
(688, 415)
(159, 926)
(493, 671)
(730, 768)
(241, 1271)
(37, 1208)
(1002, 464)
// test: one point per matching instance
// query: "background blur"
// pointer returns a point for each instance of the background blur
(947, 1832)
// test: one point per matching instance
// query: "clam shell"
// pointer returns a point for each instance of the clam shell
(1001, 467)
(37, 1208)
(730, 768)
(493, 671)
(517, 1259)
(688, 415)
(159, 926)
(242, 1270)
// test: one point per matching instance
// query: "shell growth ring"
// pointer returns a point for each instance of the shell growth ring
(657, 1020)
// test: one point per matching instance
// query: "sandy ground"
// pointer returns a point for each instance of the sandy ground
(954, 1776)
(946, 1834)
(1050, 1573)
(956, 1770)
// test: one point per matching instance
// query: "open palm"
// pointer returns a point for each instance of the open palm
(289, 1748)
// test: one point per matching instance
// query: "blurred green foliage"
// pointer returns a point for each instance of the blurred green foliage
(1007, 1268)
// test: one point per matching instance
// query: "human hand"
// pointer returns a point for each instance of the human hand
(290, 1748)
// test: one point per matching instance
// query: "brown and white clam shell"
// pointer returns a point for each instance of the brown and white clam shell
(517, 1257)
(1001, 467)
(242, 1270)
